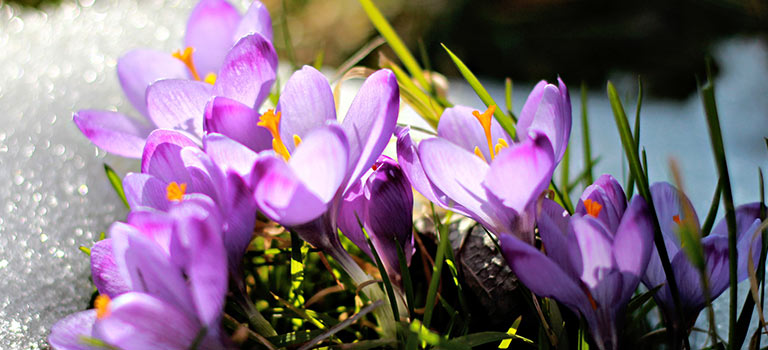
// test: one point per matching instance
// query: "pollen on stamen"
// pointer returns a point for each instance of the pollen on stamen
(271, 121)
(676, 219)
(186, 58)
(102, 306)
(210, 78)
(593, 208)
(175, 192)
(480, 154)
(296, 140)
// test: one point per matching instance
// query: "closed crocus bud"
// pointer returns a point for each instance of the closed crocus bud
(383, 202)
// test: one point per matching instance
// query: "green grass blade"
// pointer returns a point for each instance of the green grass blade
(358, 56)
(586, 144)
(437, 270)
(318, 63)
(287, 39)
(709, 221)
(406, 277)
(506, 121)
(631, 183)
(117, 184)
(344, 324)
(299, 250)
(716, 138)
(628, 143)
(565, 167)
(382, 271)
(508, 98)
(397, 45)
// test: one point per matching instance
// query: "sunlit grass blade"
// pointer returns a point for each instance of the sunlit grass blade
(117, 184)
(628, 143)
(299, 250)
(85, 250)
(586, 143)
(394, 41)
(506, 121)
(709, 221)
(716, 138)
(344, 324)
(565, 168)
(425, 106)
(358, 56)
(406, 278)
(437, 270)
(631, 183)
(318, 63)
(513, 332)
(481, 338)
(508, 98)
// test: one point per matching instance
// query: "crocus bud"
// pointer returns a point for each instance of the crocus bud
(383, 202)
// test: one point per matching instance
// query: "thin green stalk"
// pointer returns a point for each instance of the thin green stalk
(644, 189)
(287, 38)
(437, 270)
(631, 183)
(565, 166)
(709, 221)
(588, 179)
(716, 137)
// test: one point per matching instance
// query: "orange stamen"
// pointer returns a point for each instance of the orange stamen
(271, 121)
(175, 192)
(186, 57)
(593, 207)
(102, 306)
(485, 121)
(676, 219)
(480, 154)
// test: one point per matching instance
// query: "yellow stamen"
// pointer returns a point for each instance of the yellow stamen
(479, 154)
(210, 78)
(676, 219)
(186, 57)
(271, 122)
(102, 306)
(593, 207)
(296, 140)
(175, 192)
(485, 121)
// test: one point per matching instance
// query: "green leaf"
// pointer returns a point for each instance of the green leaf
(117, 184)
(437, 270)
(425, 106)
(85, 250)
(294, 338)
(385, 29)
(709, 221)
(406, 276)
(638, 301)
(506, 121)
(508, 98)
(586, 144)
(344, 324)
(318, 64)
(631, 185)
(482, 338)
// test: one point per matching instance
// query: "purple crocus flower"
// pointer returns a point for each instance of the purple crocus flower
(589, 266)
(671, 213)
(165, 288)
(475, 169)
(174, 169)
(245, 74)
(383, 202)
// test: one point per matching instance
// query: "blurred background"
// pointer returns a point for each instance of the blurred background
(664, 41)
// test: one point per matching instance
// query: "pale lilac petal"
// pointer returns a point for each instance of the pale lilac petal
(68, 333)
(112, 131)
(351, 215)
(521, 173)
(104, 271)
(553, 223)
(633, 242)
(550, 117)
(305, 104)
(161, 136)
(668, 204)
(140, 321)
(745, 216)
(750, 241)
(255, 20)
(371, 120)
(238, 122)
(281, 195)
(145, 190)
(210, 32)
(230, 155)
(606, 192)
(654, 273)
(167, 165)
(248, 71)
(410, 162)
(154, 224)
(139, 68)
(718, 275)
(458, 174)
(458, 125)
(592, 247)
(205, 177)
(540, 274)
(240, 218)
(179, 104)
(320, 162)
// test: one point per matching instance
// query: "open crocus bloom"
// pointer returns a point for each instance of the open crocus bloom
(588, 266)
(382, 200)
(475, 169)
(174, 169)
(171, 90)
(166, 287)
(670, 211)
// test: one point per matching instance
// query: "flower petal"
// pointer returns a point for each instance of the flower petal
(238, 122)
(248, 71)
(633, 242)
(255, 20)
(352, 211)
(145, 190)
(230, 155)
(606, 192)
(161, 136)
(305, 104)
(281, 195)
(178, 104)
(458, 125)
(410, 162)
(104, 271)
(547, 110)
(320, 162)
(68, 333)
(521, 173)
(210, 32)
(553, 223)
(139, 68)
(592, 248)
(241, 209)
(114, 132)
(668, 204)
(371, 120)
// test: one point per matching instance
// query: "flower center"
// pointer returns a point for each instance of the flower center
(175, 192)
(485, 121)
(593, 208)
(271, 121)
(186, 58)
(102, 306)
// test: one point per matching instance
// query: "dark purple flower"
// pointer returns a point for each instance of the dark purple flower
(589, 267)
(669, 210)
